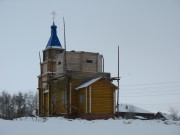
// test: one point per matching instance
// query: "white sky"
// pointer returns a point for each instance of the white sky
(147, 32)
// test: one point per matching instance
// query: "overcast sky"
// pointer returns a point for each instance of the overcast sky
(147, 32)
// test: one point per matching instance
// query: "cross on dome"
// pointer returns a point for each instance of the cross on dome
(53, 41)
(54, 14)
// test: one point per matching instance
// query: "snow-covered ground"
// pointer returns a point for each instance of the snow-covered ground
(61, 126)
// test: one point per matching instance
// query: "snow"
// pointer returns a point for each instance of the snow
(59, 125)
(131, 108)
(140, 117)
(54, 46)
(46, 91)
(88, 83)
(167, 116)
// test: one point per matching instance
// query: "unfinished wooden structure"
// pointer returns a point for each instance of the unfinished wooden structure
(74, 83)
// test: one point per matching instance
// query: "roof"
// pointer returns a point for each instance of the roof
(140, 117)
(84, 85)
(131, 108)
(165, 115)
(53, 41)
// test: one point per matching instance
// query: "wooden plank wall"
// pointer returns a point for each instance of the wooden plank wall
(82, 106)
(102, 97)
(46, 104)
(51, 66)
(102, 100)
(59, 89)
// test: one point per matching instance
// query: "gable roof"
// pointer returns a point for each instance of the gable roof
(88, 83)
(165, 115)
(131, 108)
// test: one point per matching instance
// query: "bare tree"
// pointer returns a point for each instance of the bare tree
(1, 106)
(174, 113)
(18, 105)
(30, 100)
(6, 108)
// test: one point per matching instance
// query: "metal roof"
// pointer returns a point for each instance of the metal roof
(84, 85)
(53, 41)
(131, 108)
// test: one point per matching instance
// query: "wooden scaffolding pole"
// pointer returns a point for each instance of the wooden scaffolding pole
(41, 88)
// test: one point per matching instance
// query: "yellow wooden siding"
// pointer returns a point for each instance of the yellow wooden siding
(82, 106)
(102, 97)
(59, 108)
(74, 95)
(102, 100)
(59, 88)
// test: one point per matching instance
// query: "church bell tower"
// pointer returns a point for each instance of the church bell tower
(48, 71)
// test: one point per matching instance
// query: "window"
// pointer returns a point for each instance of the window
(59, 63)
(89, 61)
(82, 100)
(54, 99)
(64, 97)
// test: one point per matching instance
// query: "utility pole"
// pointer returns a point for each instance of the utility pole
(118, 86)
(65, 61)
(67, 96)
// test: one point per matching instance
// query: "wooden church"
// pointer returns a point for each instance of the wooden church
(74, 84)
